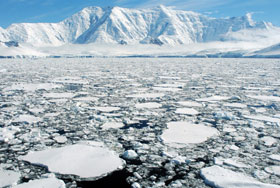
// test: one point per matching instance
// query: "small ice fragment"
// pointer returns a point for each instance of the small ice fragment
(130, 155)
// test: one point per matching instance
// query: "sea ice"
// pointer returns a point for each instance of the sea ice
(235, 105)
(187, 133)
(190, 104)
(85, 160)
(112, 125)
(186, 111)
(43, 183)
(273, 170)
(130, 155)
(268, 140)
(32, 87)
(223, 178)
(275, 157)
(27, 118)
(106, 109)
(213, 99)
(148, 105)
(8, 178)
(146, 95)
(265, 98)
(58, 95)
(262, 118)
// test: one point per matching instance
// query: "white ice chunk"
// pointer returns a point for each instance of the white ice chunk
(273, 170)
(186, 111)
(146, 95)
(275, 157)
(190, 104)
(148, 105)
(223, 178)
(27, 118)
(58, 95)
(43, 183)
(235, 105)
(265, 98)
(8, 178)
(213, 98)
(60, 139)
(106, 109)
(83, 160)
(187, 133)
(262, 118)
(86, 99)
(130, 155)
(172, 89)
(268, 140)
(112, 125)
(234, 163)
(32, 87)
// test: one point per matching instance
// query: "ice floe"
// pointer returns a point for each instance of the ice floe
(43, 183)
(32, 87)
(220, 177)
(190, 104)
(59, 95)
(27, 119)
(187, 133)
(148, 105)
(213, 99)
(8, 178)
(265, 98)
(83, 160)
(263, 118)
(273, 170)
(112, 125)
(146, 95)
(106, 109)
(186, 111)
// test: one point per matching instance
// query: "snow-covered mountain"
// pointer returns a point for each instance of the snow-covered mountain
(160, 25)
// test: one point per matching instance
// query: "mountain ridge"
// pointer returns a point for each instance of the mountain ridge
(116, 25)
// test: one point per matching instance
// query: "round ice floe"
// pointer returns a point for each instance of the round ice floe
(112, 125)
(43, 183)
(84, 160)
(186, 111)
(187, 133)
(216, 176)
(148, 105)
(8, 178)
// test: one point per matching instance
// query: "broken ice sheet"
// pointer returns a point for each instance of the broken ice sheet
(220, 177)
(187, 133)
(43, 183)
(27, 118)
(8, 178)
(265, 98)
(186, 111)
(146, 95)
(87, 161)
(148, 105)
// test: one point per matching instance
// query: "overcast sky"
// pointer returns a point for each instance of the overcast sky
(17, 11)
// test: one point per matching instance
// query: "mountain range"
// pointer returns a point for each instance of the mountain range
(157, 26)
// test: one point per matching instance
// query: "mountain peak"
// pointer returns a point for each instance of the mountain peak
(131, 26)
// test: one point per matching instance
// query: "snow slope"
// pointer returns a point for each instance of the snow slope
(160, 25)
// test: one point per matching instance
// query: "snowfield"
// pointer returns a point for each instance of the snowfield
(139, 122)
